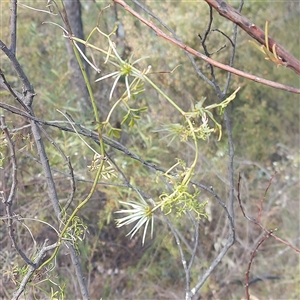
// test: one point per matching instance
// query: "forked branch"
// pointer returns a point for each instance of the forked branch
(219, 65)
(267, 233)
(257, 33)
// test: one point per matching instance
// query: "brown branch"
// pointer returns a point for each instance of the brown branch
(191, 58)
(257, 33)
(219, 65)
(265, 236)
(258, 220)
(263, 199)
(267, 232)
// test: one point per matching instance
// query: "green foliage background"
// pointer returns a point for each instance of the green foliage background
(265, 131)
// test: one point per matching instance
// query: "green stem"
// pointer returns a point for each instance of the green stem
(102, 151)
(95, 109)
(76, 210)
(91, 46)
(188, 175)
(122, 99)
(164, 95)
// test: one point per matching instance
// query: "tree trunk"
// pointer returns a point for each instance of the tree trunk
(73, 9)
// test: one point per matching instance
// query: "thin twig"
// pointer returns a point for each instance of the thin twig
(183, 259)
(263, 199)
(229, 133)
(36, 9)
(29, 91)
(68, 175)
(203, 43)
(8, 87)
(228, 38)
(191, 58)
(12, 194)
(110, 142)
(224, 67)
(257, 33)
(28, 95)
(32, 269)
(46, 167)
(79, 274)
(71, 170)
(230, 213)
(27, 99)
(240, 201)
(13, 190)
(196, 241)
(266, 234)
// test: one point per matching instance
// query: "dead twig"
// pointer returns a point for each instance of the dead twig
(266, 234)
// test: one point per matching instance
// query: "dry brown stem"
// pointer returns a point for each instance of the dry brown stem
(257, 33)
(219, 65)
(267, 232)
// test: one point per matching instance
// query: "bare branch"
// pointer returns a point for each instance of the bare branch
(230, 166)
(228, 38)
(71, 171)
(227, 68)
(29, 91)
(266, 234)
(257, 33)
(112, 143)
(233, 42)
(32, 269)
(263, 199)
(196, 241)
(203, 43)
(183, 259)
(13, 27)
(191, 58)
(46, 167)
(79, 274)
(217, 260)
(11, 146)
(8, 202)
(17, 96)
(27, 98)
